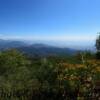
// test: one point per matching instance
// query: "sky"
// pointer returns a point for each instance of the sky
(53, 21)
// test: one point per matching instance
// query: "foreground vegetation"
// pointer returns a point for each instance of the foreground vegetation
(50, 78)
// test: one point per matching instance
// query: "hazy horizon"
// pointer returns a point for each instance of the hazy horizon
(71, 45)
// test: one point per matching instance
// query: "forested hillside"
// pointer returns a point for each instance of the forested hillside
(52, 77)
(35, 49)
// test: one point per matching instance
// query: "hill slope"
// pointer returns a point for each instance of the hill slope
(35, 49)
(45, 50)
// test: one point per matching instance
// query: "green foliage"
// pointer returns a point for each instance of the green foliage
(98, 42)
(10, 60)
(14, 72)
(98, 47)
(23, 78)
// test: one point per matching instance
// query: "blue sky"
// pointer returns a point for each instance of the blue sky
(73, 21)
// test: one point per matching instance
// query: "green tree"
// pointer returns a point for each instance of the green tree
(98, 43)
(98, 46)
(11, 59)
(14, 74)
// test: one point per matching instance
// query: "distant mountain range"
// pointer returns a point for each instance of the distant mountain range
(7, 44)
(35, 49)
(45, 50)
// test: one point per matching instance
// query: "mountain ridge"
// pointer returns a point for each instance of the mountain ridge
(35, 49)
